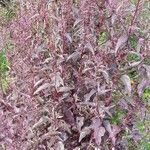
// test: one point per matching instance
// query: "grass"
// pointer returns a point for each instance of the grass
(4, 71)
(6, 15)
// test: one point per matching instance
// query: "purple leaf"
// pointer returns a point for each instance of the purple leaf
(88, 95)
(74, 56)
(127, 83)
(38, 82)
(121, 41)
(147, 71)
(42, 87)
(84, 132)
(60, 146)
(65, 89)
(141, 87)
(90, 48)
(112, 130)
(99, 131)
(79, 122)
(68, 37)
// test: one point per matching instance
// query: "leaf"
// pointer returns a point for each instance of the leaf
(105, 74)
(133, 41)
(101, 90)
(112, 130)
(38, 82)
(96, 122)
(121, 41)
(134, 64)
(90, 48)
(77, 22)
(79, 122)
(68, 115)
(43, 120)
(113, 18)
(85, 131)
(42, 87)
(115, 130)
(103, 37)
(99, 131)
(88, 95)
(147, 71)
(68, 37)
(57, 80)
(98, 134)
(65, 89)
(123, 104)
(74, 56)
(102, 110)
(133, 56)
(141, 87)
(127, 83)
(107, 125)
(60, 146)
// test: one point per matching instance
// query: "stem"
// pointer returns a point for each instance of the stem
(134, 16)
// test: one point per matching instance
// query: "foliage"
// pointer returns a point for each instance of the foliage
(79, 74)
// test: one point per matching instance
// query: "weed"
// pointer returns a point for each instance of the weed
(103, 37)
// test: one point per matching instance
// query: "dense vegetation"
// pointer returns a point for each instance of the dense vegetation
(74, 75)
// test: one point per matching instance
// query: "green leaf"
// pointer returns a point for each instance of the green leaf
(132, 57)
(146, 96)
(147, 61)
(133, 41)
(103, 37)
